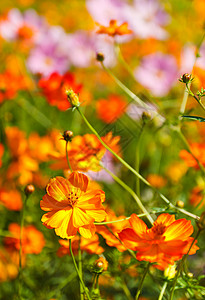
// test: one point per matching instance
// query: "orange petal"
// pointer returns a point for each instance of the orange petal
(87, 231)
(79, 180)
(165, 219)
(66, 230)
(90, 200)
(129, 238)
(58, 188)
(97, 215)
(49, 203)
(180, 230)
(55, 219)
(138, 225)
(80, 218)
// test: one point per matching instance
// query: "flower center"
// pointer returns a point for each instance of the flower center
(72, 198)
(158, 230)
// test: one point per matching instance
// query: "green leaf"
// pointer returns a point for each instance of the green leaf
(195, 118)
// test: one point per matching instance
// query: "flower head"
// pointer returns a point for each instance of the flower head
(167, 241)
(114, 29)
(72, 207)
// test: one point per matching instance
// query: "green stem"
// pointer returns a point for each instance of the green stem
(184, 100)
(125, 289)
(141, 282)
(181, 265)
(163, 290)
(80, 268)
(125, 89)
(137, 160)
(20, 246)
(66, 151)
(79, 275)
(133, 170)
(132, 193)
(122, 60)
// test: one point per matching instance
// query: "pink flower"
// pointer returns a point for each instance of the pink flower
(157, 72)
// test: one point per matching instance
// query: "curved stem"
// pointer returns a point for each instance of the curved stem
(181, 265)
(163, 290)
(66, 151)
(80, 268)
(133, 170)
(132, 193)
(141, 282)
(76, 268)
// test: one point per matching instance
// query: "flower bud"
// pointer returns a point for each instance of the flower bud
(170, 272)
(100, 57)
(67, 135)
(180, 204)
(29, 189)
(100, 265)
(73, 98)
(186, 78)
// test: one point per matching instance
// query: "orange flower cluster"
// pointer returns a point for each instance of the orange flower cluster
(109, 110)
(54, 89)
(197, 197)
(84, 152)
(32, 239)
(11, 199)
(198, 150)
(156, 180)
(114, 29)
(1, 153)
(10, 84)
(166, 242)
(91, 245)
(71, 207)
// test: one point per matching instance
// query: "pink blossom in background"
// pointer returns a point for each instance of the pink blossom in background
(102, 175)
(145, 18)
(15, 21)
(157, 72)
(50, 55)
(188, 59)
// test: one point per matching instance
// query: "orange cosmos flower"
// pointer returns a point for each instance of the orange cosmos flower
(71, 207)
(197, 197)
(11, 199)
(156, 180)
(32, 239)
(1, 153)
(198, 149)
(54, 89)
(114, 29)
(10, 84)
(91, 246)
(109, 110)
(167, 241)
(84, 152)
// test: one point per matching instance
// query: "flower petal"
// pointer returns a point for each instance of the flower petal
(129, 238)
(87, 231)
(58, 188)
(54, 219)
(98, 215)
(66, 230)
(80, 218)
(79, 180)
(49, 203)
(178, 230)
(138, 225)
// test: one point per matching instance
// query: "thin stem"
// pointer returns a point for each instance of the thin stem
(80, 268)
(184, 100)
(132, 193)
(20, 246)
(181, 264)
(125, 289)
(163, 290)
(125, 89)
(141, 282)
(66, 151)
(137, 160)
(133, 170)
(76, 268)
(195, 97)
(122, 60)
